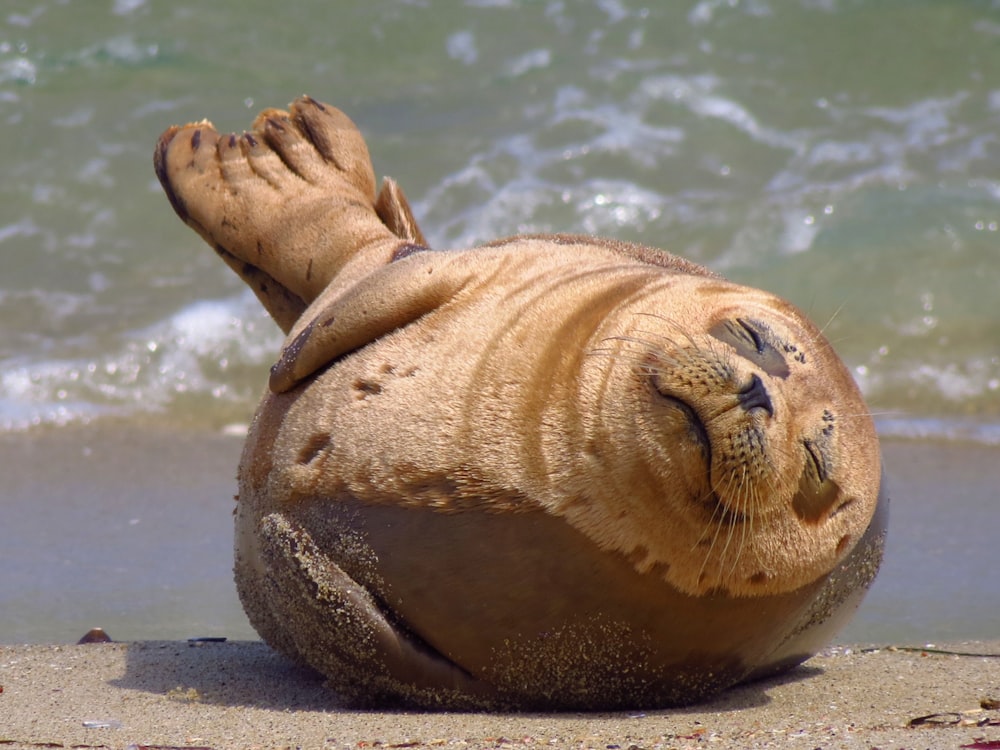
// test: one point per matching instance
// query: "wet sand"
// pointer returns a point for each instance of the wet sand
(130, 529)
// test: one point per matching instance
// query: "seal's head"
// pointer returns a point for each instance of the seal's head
(753, 463)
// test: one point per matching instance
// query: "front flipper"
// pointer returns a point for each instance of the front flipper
(341, 626)
(340, 321)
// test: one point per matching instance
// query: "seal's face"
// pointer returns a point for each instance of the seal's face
(766, 460)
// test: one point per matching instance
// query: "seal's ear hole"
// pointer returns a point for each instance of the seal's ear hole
(755, 341)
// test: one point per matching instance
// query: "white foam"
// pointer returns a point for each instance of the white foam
(191, 353)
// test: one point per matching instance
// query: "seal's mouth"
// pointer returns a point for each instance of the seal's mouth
(696, 427)
(697, 432)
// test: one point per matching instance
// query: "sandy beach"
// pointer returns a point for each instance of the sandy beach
(242, 695)
(130, 529)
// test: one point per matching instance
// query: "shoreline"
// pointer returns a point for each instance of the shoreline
(242, 695)
(129, 527)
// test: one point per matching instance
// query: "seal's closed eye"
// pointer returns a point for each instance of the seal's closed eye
(753, 340)
(817, 494)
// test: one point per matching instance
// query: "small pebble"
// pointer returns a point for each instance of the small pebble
(95, 635)
(103, 724)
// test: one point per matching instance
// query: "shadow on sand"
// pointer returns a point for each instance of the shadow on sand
(249, 673)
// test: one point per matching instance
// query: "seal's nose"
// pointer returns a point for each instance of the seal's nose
(755, 396)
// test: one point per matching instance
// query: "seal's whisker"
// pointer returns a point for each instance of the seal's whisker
(619, 352)
(671, 339)
(869, 414)
(833, 317)
(730, 480)
(743, 508)
(659, 316)
(731, 534)
(758, 503)
(716, 508)
(715, 526)
(676, 353)
(622, 338)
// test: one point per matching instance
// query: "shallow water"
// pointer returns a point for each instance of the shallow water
(840, 153)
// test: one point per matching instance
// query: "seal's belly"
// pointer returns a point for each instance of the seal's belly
(523, 602)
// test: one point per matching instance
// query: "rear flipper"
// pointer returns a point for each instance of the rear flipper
(289, 205)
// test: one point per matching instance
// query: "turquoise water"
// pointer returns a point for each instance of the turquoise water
(843, 154)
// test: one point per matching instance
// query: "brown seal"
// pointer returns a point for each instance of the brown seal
(550, 472)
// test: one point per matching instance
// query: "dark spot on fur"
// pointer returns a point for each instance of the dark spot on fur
(659, 570)
(318, 105)
(845, 540)
(843, 506)
(290, 353)
(275, 123)
(232, 140)
(433, 487)
(405, 251)
(250, 139)
(758, 578)
(196, 139)
(576, 500)
(309, 270)
(828, 422)
(316, 445)
(720, 591)
(637, 556)
(367, 387)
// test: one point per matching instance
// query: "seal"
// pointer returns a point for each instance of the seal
(552, 472)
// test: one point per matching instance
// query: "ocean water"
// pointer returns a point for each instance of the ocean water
(841, 153)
